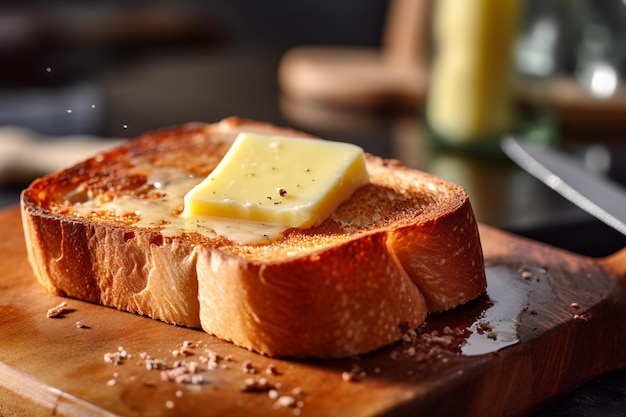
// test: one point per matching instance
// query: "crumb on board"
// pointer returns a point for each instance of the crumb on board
(184, 350)
(247, 367)
(117, 357)
(81, 325)
(356, 373)
(581, 316)
(179, 369)
(192, 364)
(484, 327)
(256, 385)
(57, 311)
(271, 369)
(526, 274)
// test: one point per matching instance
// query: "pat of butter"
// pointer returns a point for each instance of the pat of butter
(293, 182)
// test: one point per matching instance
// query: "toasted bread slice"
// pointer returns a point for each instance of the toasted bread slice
(104, 231)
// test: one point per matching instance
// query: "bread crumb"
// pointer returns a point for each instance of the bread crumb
(247, 367)
(286, 401)
(210, 358)
(116, 358)
(256, 385)
(574, 305)
(183, 372)
(151, 363)
(57, 311)
(355, 374)
(271, 369)
(81, 325)
(484, 327)
(581, 316)
(184, 350)
(193, 373)
(347, 376)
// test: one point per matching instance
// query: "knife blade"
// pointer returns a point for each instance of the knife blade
(599, 196)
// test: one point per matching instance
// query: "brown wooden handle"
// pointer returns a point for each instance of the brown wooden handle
(616, 263)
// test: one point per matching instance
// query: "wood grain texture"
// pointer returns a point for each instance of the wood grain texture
(562, 314)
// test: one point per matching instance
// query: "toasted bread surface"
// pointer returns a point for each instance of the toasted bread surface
(403, 245)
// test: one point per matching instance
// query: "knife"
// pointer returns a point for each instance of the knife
(599, 196)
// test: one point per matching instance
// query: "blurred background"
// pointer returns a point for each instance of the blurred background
(76, 73)
(79, 76)
(148, 64)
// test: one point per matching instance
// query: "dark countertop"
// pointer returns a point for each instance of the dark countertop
(172, 90)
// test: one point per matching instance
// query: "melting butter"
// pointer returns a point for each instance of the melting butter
(159, 209)
(507, 303)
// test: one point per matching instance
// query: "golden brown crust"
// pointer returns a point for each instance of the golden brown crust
(403, 245)
(131, 270)
(340, 302)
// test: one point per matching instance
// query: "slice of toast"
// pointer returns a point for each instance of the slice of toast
(108, 231)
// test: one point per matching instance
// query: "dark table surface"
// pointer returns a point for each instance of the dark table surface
(164, 91)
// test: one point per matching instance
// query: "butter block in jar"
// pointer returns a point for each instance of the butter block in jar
(471, 92)
(293, 182)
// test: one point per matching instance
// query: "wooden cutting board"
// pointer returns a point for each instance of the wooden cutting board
(550, 321)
